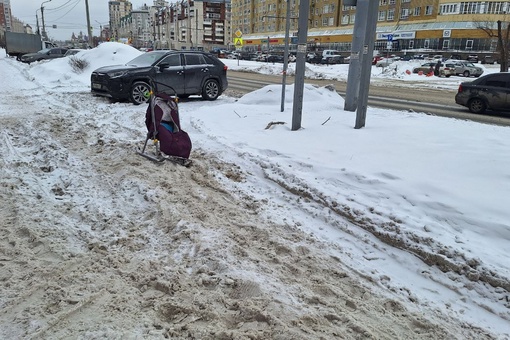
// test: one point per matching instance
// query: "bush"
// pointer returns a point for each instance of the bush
(78, 64)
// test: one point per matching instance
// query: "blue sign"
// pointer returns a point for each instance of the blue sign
(390, 37)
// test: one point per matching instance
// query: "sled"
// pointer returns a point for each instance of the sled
(169, 141)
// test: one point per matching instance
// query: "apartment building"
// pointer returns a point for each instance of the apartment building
(118, 10)
(5, 16)
(188, 24)
(413, 24)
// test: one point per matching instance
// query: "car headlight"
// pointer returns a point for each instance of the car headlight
(116, 74)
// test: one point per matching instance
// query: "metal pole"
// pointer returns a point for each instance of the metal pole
(37, 21)
(299, 83)
(42, 19)
(366, 62)
(353, 78)
(89, 28)
(285, 55)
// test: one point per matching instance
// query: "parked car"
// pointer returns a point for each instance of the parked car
(316, 58)
(467, 69)
(73, 51)
(335, 59)
(248, 56)
(488, 59)
(446, 69)
(261, 57)
(472, 58)
(274, 58)
(376, 58)
(47, 53)
(384, 62)
(186, 72)
(491, 91)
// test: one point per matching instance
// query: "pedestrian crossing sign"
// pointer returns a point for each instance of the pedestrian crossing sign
(238, 41)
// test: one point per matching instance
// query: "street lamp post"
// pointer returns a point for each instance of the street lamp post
(42, 18)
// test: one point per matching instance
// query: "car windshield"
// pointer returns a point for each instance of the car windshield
(469, 64)
(44, 50)
(147, 59)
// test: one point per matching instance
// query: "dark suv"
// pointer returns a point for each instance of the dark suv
(187, 72)
(488, 92)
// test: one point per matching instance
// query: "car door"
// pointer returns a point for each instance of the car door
(55, 53)
(196, 70)
(169, 74)
(497, 91)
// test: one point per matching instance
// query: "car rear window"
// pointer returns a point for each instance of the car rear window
(498, 80)
(194, 59)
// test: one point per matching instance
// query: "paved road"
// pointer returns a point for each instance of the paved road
(389, 95)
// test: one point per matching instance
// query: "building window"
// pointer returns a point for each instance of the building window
(403, 1)
(469, 44)
(331, 22)
(391, 15)
(392, 2)
(446, 44)
(426, 43)
(353, 18)
(383, 2)
(404, 13)
(448, 9)
(429, 10)
(417, 11)
(470, 7)
(411, 44)
(345, 19)
(382, 16)
(497, 7)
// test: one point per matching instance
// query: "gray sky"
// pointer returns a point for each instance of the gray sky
(69, 15)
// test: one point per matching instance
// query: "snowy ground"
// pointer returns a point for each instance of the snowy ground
(271, 234)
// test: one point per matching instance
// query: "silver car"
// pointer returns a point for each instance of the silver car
(467, 69)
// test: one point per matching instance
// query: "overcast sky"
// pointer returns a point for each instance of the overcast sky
(69, 15)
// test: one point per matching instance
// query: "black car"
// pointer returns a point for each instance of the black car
(47, 53)
(186, 72)
(491, 91)
(274, 58)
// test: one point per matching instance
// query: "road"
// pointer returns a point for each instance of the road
(439, 102)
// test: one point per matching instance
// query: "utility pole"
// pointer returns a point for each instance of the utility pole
(45, 37)
(366, 62)
(285, 55)
(358, 38)
(89, 28)
(299, 82)
(37, 21)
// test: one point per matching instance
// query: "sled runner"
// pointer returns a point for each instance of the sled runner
(169, 141)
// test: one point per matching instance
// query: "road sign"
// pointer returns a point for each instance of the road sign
(238, 41)
(390, 37)
(239, 34)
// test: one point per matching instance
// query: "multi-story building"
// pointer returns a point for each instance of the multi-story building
(413, 24)
(188, 24)
(5, 16)
(118, 10)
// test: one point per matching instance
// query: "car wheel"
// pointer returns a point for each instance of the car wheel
(477, 105)
(140, 93)
(211, 90)
(466, 73)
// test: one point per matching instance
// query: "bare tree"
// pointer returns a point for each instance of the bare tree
(502, 33)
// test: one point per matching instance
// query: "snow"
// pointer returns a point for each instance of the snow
(414, 204)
